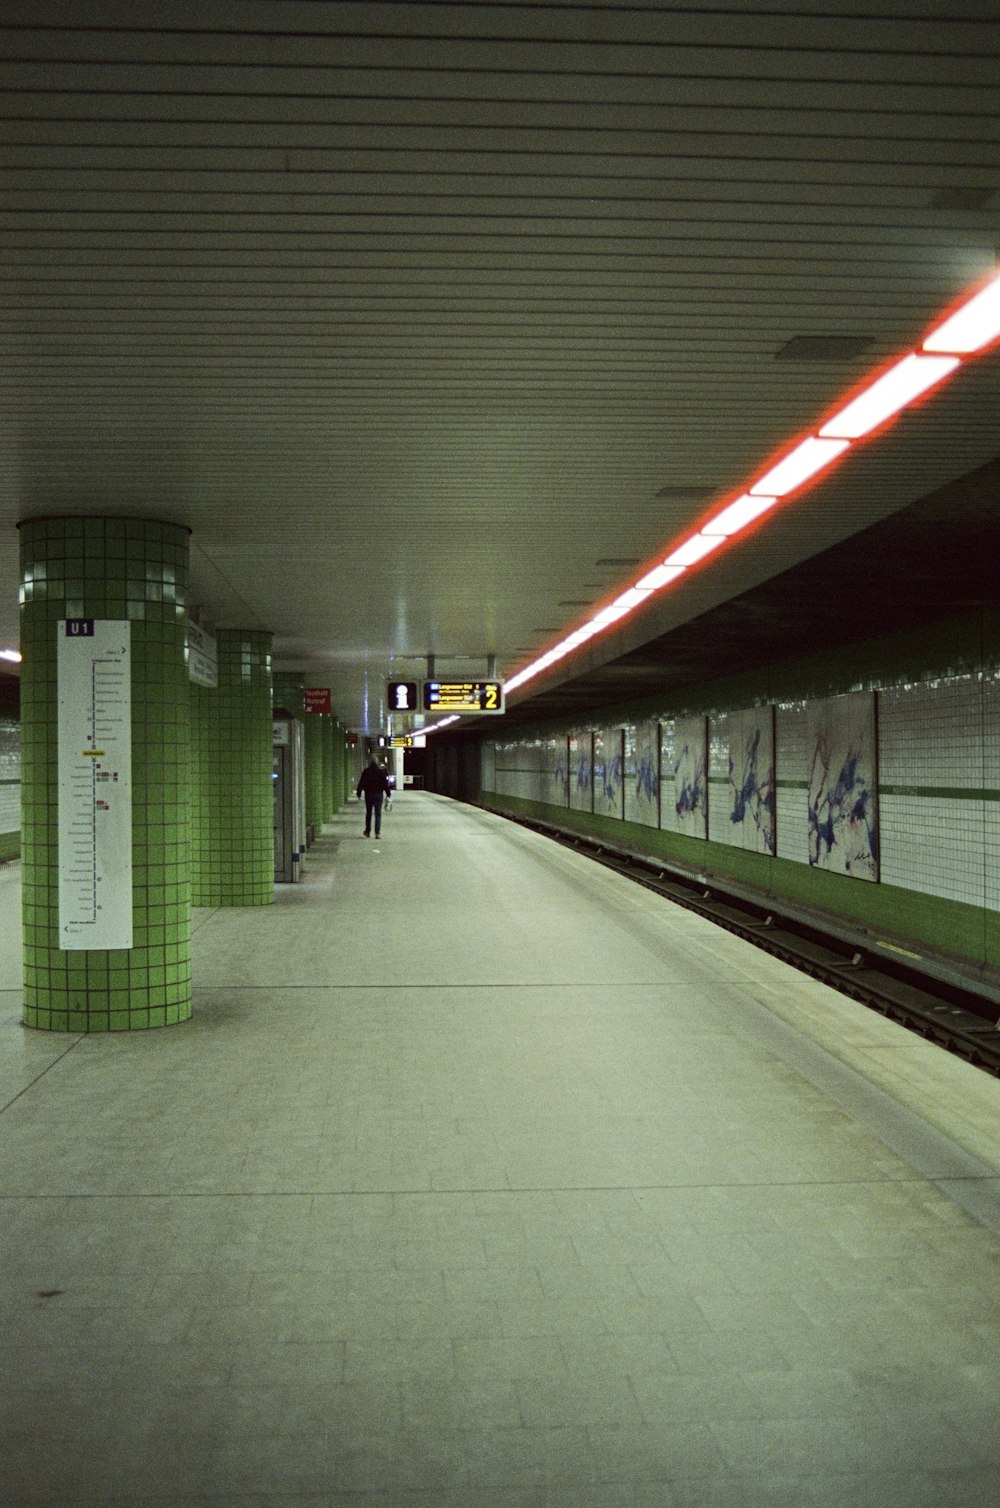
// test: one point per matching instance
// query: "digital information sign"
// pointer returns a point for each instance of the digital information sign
(463, 696)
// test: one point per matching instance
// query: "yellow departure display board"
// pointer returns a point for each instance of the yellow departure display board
(463, 696)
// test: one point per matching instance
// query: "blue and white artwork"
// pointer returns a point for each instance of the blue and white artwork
(558, 765)
(751, 779)
(609, 785)
(581, 772)
(686, 765)
(642, 774)
(843, 809)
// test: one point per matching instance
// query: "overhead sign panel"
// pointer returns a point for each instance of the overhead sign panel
(402, 696)
(463, 696)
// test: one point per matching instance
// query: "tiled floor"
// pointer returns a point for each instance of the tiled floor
(485, 1179)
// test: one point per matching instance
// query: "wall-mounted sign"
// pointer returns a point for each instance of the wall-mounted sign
(94, 758)
(463, 696)
(203, 656)
(402, 696)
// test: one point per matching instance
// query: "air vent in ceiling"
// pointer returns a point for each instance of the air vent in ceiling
(964, 197)
(824, 348)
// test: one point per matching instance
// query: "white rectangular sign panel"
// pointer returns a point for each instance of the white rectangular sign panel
(95, 783)
(203, 656)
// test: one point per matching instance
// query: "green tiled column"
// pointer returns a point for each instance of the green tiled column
(327, 722)
(289, 691)
(232, 812)
(315, 804)
(109, 569)
(337, 773)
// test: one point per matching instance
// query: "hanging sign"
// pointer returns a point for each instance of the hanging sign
(402, 696)
(94, 761)
(317, 699)
(463, 696)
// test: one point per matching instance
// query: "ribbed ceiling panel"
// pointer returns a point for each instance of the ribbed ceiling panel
(410, 311)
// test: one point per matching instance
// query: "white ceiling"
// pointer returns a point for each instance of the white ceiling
(419, 315)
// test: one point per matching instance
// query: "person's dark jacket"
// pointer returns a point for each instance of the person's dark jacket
(374, 782)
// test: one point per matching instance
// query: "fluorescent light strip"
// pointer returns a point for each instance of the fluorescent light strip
(740, 513)
(798, 466)
(657, 577)
(10, 654)
(973, 327)
(889, 394)
(693, 550)
(436, 727)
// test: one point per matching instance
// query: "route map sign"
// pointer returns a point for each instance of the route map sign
(463, 696)
(94, 757)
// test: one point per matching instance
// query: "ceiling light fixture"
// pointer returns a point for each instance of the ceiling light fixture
(10, 654)
(972, 327)
(657, 577)
(808, 458)
(693, 550)
(738, 515)
(888, 394)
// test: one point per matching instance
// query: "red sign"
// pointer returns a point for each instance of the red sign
(317, 699)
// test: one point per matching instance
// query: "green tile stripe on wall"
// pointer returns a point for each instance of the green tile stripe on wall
(941, 792)
(111, 569)
(232, 837)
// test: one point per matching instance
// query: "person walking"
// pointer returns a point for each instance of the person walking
(374, 785)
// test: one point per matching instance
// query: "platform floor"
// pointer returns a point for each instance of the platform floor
(483, 1178)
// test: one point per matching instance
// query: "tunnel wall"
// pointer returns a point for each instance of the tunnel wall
(863, 782)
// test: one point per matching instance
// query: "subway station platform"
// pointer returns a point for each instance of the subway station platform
(484, 1178)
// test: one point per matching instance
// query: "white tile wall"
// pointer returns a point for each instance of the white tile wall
(10, 776)
(934, 846)
(720, 805)
(792, 752)
(488, 766)
(10, 808)
(938, 754)
(930, 743)
(931, 733)
(668, 784)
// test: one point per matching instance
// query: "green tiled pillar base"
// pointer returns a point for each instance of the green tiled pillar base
(232, 810)
(115, 569)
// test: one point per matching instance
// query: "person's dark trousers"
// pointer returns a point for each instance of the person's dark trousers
(373, 804)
